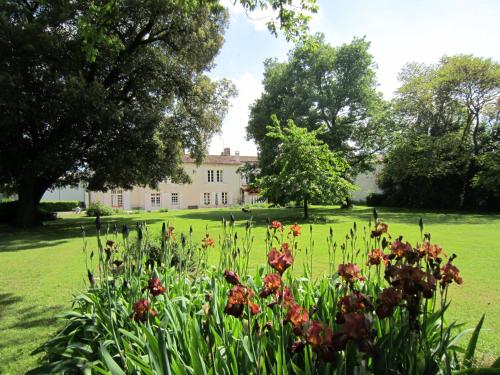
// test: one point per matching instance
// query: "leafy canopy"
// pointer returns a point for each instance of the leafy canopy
(111, 92)
(324, 86)
(446, 156)
(306, 168)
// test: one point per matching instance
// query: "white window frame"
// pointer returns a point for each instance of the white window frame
(224, 197)
(174, 197)
(117, 198)
(206, 199)
(210, 175)
(155, 199)
(220, 175)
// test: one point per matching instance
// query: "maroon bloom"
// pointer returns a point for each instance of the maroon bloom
(297, 316)
(240, 296)
(276, 225)
(141, 310)
(155, 286)
(272, 284)
(232, 277)
(450, 273)
(350, 272)
(375, 257)
(280, 261)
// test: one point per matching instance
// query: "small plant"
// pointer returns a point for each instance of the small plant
(99, 209)
(155, 306)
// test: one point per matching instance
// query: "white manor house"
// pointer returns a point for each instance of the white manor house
(214, 183)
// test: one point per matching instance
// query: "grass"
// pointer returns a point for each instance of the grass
(42, 268)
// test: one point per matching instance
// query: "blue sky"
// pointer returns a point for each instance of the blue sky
(400, 31)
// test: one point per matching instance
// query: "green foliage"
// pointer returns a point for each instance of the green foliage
(324, 86)
(446, 155)
(55, 206)
(98, 208)
(306, 170)
(185, 327)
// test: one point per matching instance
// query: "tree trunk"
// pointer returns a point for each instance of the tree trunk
(29, 196)
(306, 209)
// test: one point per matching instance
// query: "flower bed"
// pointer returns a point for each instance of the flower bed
(154, 306)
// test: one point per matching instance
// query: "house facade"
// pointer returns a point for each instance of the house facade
(214, 183)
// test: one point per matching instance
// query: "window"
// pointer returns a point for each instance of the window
(155, 199)
(206, 199)
(117, 198)
(210, 175)
(219, 175)
(175, 199)
(224, 197)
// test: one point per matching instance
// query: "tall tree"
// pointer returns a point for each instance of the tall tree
(306, 169)
(448, 115)
(110, 93)
(321, 85)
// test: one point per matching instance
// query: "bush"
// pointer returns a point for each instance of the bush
(156, 307)
(162, 210)
(375, 200)
(58, 206)
(8, 212)
(98, 208)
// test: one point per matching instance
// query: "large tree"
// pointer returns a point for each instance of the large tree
(110, 93)
(449, 119)
(318, 86)
(306, 170)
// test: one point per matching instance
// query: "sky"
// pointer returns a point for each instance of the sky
(399, 31)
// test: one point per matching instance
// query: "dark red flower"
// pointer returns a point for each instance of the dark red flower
(350, 272)
(272, 284)
(295, 229)
(320, 338)
(411, 280)
(431, 251)
(155, 286)
(355, 302)
(380, 229)
(141, 310)
(450, 273)
(207, 242)
(232, 277)
(297, 316)
(400, 249)
(298, 346)
(375, 257)
(110, 243)
(280, 261)
(238, 297)
(388, 299)
(276, 225)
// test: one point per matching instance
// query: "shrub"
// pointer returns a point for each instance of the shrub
(8, 212)
(157, 307)
(162, 210)
(96, 208)
(376, 199)
(57, 206)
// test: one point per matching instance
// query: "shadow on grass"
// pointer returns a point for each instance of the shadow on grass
(331, 215)
(7, 299)
(61, 231)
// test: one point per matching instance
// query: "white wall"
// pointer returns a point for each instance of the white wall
(367, 184)
(65, 194)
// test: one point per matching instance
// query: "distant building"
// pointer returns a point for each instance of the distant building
(214, 183)
(67, 193)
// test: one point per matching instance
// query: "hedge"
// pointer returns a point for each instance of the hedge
(56, 206)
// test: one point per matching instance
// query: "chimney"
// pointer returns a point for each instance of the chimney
(237, 156)
(227, 151)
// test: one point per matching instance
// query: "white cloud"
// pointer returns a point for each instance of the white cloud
(233, 133)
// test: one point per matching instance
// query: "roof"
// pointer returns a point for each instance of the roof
(222, 159)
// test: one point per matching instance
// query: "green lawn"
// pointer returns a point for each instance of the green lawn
(42, 268)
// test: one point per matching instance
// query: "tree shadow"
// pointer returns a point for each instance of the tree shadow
(332, 215)
(7, 299)
(61, 231)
